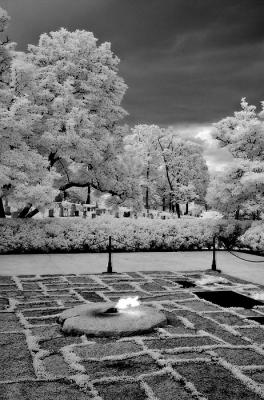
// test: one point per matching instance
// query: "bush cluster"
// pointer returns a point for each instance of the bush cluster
(253, 238)
(81, 235)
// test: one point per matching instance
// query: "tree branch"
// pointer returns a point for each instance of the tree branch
(86, 184)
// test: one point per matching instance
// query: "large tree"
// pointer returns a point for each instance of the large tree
(240, 189)
(184, 167)
(142, 146)
(74, 96)
(173, 170)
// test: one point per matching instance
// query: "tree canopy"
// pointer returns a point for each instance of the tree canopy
(61, 106)
(171, 167)
(240, 189)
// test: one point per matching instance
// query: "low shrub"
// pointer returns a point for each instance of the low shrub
(253, 238)
(230, 231)
(81, 235)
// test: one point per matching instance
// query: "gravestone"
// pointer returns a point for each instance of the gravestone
(8, 210)
(73, 209)
(61, 213)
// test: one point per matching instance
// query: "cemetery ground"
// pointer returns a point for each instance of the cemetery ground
(212, 346)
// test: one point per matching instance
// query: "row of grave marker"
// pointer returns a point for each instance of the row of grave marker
(93, 213)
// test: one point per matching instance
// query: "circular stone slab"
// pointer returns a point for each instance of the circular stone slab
(91, 319)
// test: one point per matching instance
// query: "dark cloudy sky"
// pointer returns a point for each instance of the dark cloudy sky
(186, 62)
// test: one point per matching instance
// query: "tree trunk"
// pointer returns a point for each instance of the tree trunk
(147, 199)
(147, 189)
(163, 203)
(170, 203)
(25, 211)
(32, 213)
(88, 200)
(2, 211)
(178, 210)
(206, 207)
(237, 214)
(186, 209)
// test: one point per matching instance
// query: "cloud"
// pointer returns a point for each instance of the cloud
(185, 61)
(217, 158)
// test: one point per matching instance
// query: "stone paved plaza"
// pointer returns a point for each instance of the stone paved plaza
(205, 352)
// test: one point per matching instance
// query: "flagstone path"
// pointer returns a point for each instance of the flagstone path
(205, 352)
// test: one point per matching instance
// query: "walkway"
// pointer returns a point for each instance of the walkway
(123, 262)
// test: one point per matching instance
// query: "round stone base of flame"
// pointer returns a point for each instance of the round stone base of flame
(104, 320)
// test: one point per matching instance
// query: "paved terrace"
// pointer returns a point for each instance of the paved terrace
(205, 351)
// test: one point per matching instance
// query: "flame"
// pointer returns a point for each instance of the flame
(122, 304)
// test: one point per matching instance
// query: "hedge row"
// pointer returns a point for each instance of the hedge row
(78, 235)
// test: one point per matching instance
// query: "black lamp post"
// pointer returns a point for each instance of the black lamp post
(214, 256)
(109, 265)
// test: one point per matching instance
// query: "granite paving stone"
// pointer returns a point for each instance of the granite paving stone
(39, 390)
(47, 331)
(256, 334)
(81, 279)
(257, 375)
(227, 318)
(121, 391)
(198, 305)
(41, 313)
(9, 322)
(187, 355)
(91, 296)
(42, 321)
(111, 348)
(215, 382)
(171, 343)
(6, 280)
(165, 387)
(56, 343)
(132, 366)
(4, 303)
(39, 304)
(15, 358)
(56, 366)
(207, 325)
(241, 356)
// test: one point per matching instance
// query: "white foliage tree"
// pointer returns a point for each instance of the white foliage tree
(171, 167)
(142, 145)
(65, 107)
(240, 190)
(185, 169)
